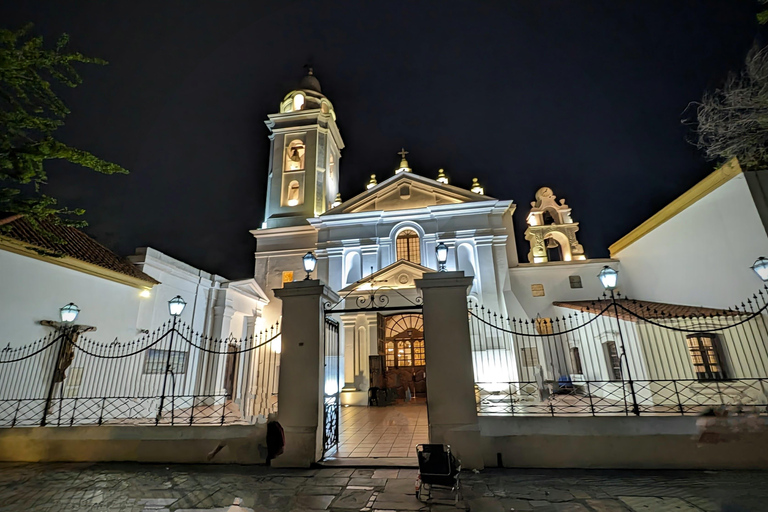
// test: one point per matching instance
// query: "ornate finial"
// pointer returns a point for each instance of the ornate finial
(441, 177)
(337, 201)
(404, 167)
(372, 183)
(476, 188)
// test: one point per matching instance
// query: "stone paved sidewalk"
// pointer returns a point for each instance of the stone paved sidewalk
(155, 488)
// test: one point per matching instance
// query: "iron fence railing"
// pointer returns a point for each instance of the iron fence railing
(617, 356)
(171, 376)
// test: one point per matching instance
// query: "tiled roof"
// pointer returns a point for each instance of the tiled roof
(641, 308)
(78, 246)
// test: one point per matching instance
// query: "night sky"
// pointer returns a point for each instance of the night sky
(585, 97)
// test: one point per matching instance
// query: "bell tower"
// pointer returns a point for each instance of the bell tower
(304, 156)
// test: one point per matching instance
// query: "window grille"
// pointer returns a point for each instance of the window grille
(704, 350)
(614, 362)
(576, 361)
(408, 246)
(156, 359)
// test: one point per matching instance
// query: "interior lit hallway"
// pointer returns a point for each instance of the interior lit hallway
(382, 432)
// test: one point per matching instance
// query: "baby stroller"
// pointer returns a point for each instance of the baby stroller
(437, 468)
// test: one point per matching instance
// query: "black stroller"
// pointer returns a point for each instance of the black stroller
(437, 468)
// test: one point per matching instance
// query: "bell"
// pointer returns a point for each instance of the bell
(552, 243)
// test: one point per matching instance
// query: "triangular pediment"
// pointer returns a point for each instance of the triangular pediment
(406, 191)
(401, 274)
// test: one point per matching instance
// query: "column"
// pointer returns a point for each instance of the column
(450, 378)
(348, 349)
(300, 391)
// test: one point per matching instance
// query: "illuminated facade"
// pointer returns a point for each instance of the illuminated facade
(385, 238)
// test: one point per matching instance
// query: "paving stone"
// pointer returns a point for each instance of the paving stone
(369, 482)
(352, 499)
(485, 505)
(516, 505)
(569, 507)
(662, 504)
(318, 502)
(330, 472)
(340, 481)
(320, 489)
(398, 502)
(386, 473)
(401, 485)
(606, 506)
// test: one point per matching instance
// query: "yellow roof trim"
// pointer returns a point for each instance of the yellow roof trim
(722, 175)
(18, 247)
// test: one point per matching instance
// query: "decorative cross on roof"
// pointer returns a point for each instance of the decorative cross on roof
(402, 153)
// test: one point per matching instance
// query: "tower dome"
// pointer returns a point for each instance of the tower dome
(307, 96)
(310, 82)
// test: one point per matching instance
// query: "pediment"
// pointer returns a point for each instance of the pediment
(407, 191)
(401, 274)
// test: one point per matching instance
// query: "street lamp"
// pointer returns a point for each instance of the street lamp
(761, 268)
(69, 313)
(176, 306)
(609, 277)
(442, 256)
(309, 261)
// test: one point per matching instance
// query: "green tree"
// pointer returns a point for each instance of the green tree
(30, 114)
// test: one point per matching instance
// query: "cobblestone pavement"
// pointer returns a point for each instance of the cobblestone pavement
(155, 488)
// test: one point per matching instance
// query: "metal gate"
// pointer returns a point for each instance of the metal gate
(332, 385)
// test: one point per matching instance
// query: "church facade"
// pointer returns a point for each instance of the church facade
(385, 238)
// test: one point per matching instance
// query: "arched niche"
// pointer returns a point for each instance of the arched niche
(562, 241)
(353, 269)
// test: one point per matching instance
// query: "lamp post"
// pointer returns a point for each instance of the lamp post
(309, 260)
(175, 307)
(609, 278)
(68, 313)
(761, 268)
(442, 256)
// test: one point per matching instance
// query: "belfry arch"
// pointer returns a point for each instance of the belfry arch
(550, 222)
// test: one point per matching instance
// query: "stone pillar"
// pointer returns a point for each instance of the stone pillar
(450, 378)
(300, 391)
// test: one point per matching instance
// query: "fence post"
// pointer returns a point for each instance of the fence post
(451, 401)
(167, 369)
(635, 406)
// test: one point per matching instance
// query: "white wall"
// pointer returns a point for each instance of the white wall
(702, 255)
(32, 290)
(555, 278)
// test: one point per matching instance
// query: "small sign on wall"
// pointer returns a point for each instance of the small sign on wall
(287, 276)
(537, 290)
(575, 281)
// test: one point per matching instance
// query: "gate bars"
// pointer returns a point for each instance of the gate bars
(171, 376)
(617, 356)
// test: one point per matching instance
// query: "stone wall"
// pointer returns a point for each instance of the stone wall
(241, 444)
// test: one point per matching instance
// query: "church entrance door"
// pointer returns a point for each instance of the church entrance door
(402, 351)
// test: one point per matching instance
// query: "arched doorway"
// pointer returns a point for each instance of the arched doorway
(404, 358)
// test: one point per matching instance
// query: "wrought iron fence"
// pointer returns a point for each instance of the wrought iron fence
(171, 376)
(617, 356)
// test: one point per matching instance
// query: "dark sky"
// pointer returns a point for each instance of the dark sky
(584, 97)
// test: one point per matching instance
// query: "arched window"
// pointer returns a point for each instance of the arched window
(294, 155)
(292, 199)
(298, 102)
(408, 246)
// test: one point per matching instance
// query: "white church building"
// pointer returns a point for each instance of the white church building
(372, 247)
(689, 260)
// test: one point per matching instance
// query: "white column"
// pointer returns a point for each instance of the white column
(370, 259)
(300, 392)
(348, 349)
(451, 403)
